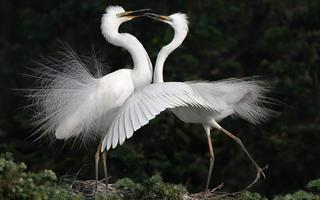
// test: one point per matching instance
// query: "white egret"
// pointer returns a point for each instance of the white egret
(73, 103)
(238, 97)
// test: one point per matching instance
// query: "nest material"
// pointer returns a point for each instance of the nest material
(213, 194)
(87, 189)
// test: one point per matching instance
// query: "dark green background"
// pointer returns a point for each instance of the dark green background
(276, 39)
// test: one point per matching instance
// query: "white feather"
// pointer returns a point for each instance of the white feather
(238, 97)
(245, 98)
(144, 102)
(71, 101)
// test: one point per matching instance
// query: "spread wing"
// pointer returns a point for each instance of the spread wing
(147, 102)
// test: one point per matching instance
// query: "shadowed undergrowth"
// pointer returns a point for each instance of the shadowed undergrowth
(17, 183)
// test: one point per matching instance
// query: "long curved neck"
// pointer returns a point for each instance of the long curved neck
(164, 53)
(142, 66)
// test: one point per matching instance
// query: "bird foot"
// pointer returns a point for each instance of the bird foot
(106, 183)
(208, 193)
(101, 185)
(218, 187)
(260, 171)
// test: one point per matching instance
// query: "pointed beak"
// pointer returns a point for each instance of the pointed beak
(162, 18)
(134, 13)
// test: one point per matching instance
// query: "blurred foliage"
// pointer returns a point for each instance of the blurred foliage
(314, 185)
(16, 183)
(152, 189)
(276, 39)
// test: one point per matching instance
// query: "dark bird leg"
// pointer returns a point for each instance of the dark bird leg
(207, 129)
(97, 158)
(259, 169)
(104, 160)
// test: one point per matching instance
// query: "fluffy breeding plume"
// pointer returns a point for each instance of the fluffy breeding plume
(63, 99)
(245, 98)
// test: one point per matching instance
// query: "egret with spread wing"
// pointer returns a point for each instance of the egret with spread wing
(239, 97)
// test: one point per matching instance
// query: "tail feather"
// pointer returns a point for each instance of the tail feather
(245, 98)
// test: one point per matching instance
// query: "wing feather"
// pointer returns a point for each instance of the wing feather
(154, 108)
(138, 115)
(134, 123)
(145, 113)
(147, 102)
(110, 137)
(127, 127)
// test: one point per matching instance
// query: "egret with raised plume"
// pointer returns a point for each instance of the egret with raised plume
(73, 103)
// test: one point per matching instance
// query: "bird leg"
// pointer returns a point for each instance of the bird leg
(104, 160)
(207, 129)
(97, 158)
(259, 169)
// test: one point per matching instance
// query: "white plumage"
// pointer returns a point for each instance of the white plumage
(72, 102)
(242, 98)
(192, 102)
(147, 102)
(66, 96)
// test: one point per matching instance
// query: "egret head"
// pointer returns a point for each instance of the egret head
(115, 16)
(178, 21)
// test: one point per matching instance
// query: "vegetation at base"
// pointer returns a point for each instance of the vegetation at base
(152, 189)
(16, 183)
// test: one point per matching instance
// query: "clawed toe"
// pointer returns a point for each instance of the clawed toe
(218, 187)
(260, 171)
(208, 192)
